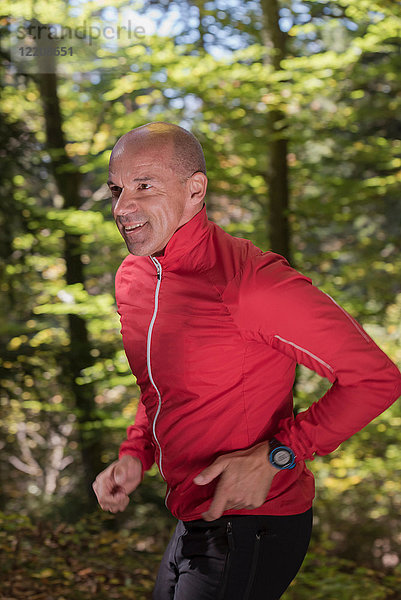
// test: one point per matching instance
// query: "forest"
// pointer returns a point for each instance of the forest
(297, 106)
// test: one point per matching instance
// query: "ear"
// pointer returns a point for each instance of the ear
(197, 185)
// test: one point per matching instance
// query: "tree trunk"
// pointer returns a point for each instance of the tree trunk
(277, 223)
(67, 178)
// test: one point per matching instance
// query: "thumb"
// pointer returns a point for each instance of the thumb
(120, 475)
(210, 473)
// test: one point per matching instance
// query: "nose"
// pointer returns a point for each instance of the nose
(124, 205)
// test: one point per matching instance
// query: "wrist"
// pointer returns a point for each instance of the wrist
(134, 461)
(280, 456)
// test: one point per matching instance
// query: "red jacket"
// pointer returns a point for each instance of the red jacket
(213, 330)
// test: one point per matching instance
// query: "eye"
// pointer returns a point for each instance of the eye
(115, 190)
(144, 188)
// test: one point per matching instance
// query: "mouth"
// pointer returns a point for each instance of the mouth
(130, 229)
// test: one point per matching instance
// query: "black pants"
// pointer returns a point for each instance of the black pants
(239, 557)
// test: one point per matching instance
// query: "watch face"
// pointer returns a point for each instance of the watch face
(282, 457)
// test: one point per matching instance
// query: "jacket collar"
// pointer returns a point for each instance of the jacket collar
(186, 246)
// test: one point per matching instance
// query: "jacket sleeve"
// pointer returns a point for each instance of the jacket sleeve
(139, 440)
(280, 306)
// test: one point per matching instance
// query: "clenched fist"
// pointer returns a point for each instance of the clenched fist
(113, 485)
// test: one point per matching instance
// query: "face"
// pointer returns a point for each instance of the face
(149, 201)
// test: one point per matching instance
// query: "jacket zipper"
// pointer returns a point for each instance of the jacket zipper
(159, 277)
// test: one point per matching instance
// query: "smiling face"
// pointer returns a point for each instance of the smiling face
(150, 200)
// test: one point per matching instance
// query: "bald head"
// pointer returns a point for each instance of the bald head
(157, 177)
(185, 152)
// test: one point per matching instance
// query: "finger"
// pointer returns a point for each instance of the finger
(123, 504)
(117, 500)
(114, 507)
(218, 505)
(105, 488)
(118, 507)
(214, 512)
(103, 493)
(210, 473)
(120, 475)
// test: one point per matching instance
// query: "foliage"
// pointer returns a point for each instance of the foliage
(326, 577)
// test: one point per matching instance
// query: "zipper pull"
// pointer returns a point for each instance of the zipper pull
(230, 537)
(158, 268)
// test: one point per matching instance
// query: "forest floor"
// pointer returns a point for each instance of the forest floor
(85, 560)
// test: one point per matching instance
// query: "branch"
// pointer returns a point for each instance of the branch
(21, 466)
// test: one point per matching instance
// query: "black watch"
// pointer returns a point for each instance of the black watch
(280, 456)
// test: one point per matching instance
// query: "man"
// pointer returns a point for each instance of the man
(213, 328)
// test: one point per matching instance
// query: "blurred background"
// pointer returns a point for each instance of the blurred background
(297, 106)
